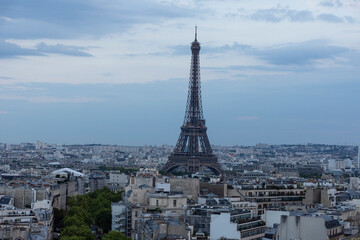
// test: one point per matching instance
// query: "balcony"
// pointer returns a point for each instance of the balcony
(276, 199)
(250, 225)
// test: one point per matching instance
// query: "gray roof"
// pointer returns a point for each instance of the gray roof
(332, 224)
(5, 199)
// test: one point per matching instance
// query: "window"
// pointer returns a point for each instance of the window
(174, 203)
(157, 202)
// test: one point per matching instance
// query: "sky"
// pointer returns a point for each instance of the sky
(117, 72)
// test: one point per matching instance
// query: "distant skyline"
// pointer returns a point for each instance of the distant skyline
(116, 72)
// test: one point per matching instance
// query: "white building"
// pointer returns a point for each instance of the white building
(307, 227)
(162, 187)
(118, 179)
(67, 171)
(354, 183)
(272, 218)
(26, 223)
(222, 228)
(170, 204)
(299, 227)
(119, 217)
(332, 164)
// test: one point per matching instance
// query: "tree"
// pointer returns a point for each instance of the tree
(73, 238)
(83, 215)
(87, 210)
(74, 221)
(75, 231)
(103, 219)
(59, 215)
(115, 235)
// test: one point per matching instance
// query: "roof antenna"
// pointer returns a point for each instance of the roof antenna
(195, 33)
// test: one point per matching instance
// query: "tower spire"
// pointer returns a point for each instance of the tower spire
(195, 33)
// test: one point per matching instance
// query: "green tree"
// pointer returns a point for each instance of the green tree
(80, 213)
(59, 215)
(73, 238)
(74, 221)
(75, 231)
(70, 201)
(89, 209)
(103, 219)
(115, 235)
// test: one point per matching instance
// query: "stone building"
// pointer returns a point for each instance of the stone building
(308, 227)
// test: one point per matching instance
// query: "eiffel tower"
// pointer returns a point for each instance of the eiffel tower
(193, 150)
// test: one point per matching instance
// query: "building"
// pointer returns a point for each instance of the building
(222, 228)
(272, 197)
(169, 204)
(308, 227)
(236, 225)
(211, 220)
(155, 227)
(119, 218)
(326, 197)
(118, 179)
(28, 223)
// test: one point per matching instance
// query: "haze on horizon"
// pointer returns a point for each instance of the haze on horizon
(116, 72)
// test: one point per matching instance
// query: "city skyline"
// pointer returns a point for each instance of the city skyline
(117, 73)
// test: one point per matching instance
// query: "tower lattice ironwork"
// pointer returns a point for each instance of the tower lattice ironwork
(193, 150)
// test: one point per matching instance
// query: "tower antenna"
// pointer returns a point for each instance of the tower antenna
(195, 33)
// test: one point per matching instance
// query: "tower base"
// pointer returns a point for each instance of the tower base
(192, 164)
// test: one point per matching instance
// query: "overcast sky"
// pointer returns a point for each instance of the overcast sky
(116, 72)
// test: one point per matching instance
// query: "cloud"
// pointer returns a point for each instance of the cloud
(180, 50)
(5, 18)
(11, 50)
(68, 19)
(300, 53)
(236, 47)
(331, 3)
(247, 118)
(279, 14)
(349, 19)
(107, 74)
(12, 88)
(185, 49)
(63, 49)
(4, 77)
(327, 17)
(50, 99)
(3, 112)
(262, 68)
(303, 53)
